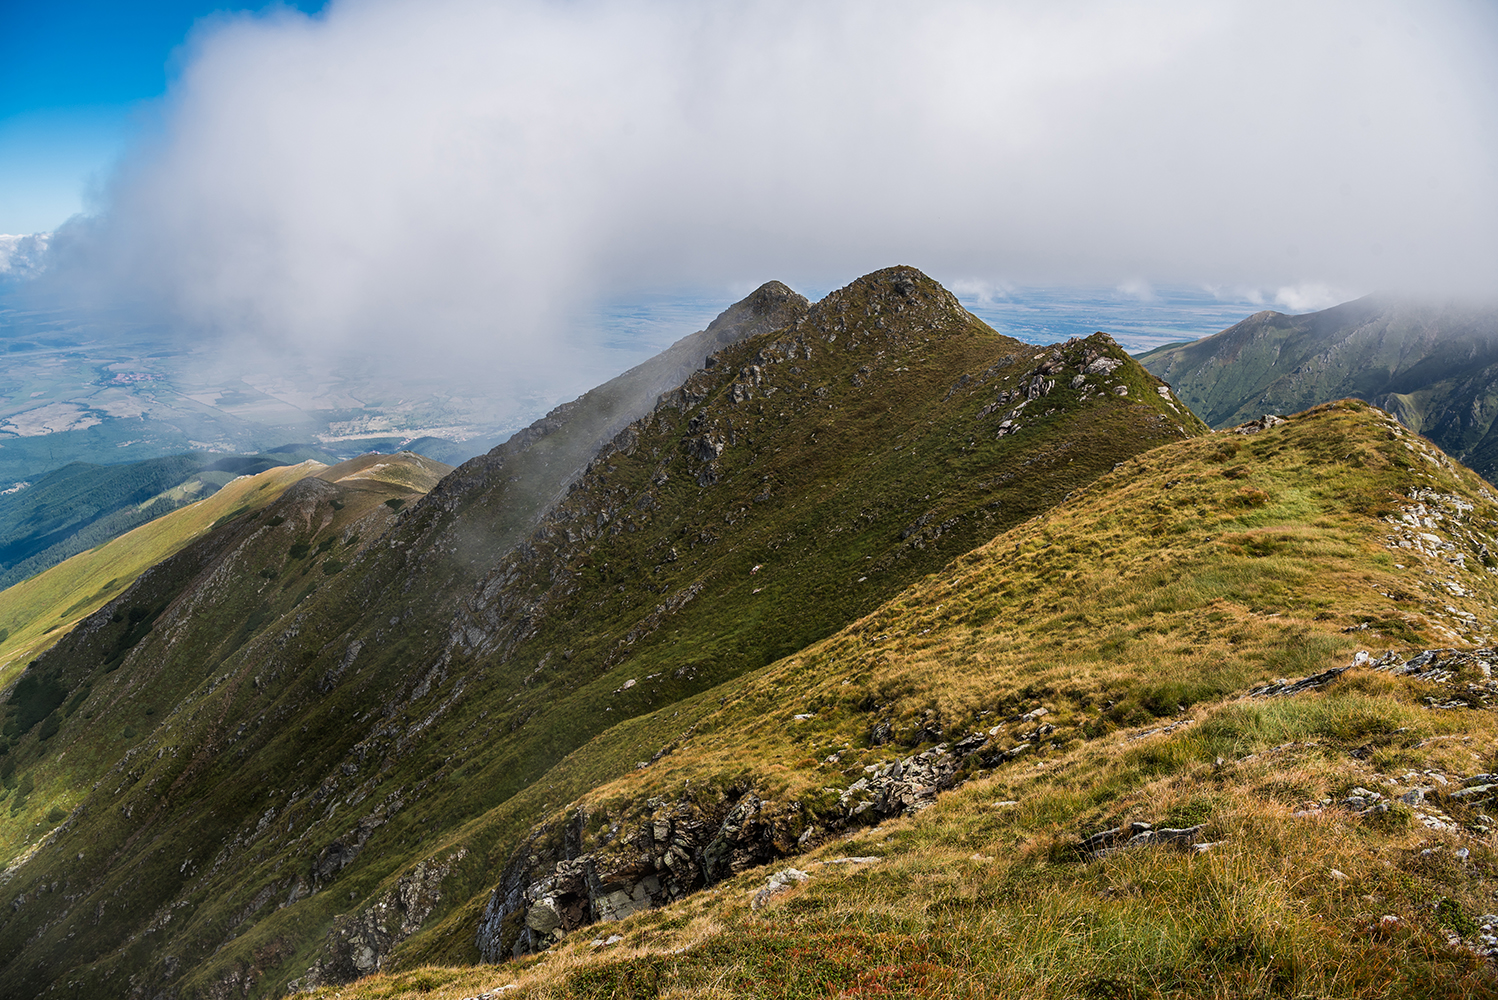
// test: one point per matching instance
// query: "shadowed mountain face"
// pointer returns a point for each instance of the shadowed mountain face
(286, 763)
(1435, 368)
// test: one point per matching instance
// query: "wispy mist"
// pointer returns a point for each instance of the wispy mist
(462, 179)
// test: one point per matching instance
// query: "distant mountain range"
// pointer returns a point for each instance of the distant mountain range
(1433, 366)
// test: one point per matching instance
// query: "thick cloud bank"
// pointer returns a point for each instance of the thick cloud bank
(454, 177)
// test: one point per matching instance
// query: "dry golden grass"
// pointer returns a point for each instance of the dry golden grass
(1159, 597)
(975, 899)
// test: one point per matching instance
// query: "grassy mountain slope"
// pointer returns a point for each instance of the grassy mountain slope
(1434, 367)
(81, 505)
(39, 611)
(1090, 668)
(36, 612)
(316, 745)
(260, 561)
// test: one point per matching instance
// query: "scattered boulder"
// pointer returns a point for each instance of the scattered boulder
(775, 885)
(1280, 687)
(1478, 792)
(498, 991)
(1140, 835)
(1265, 422)
(1487, 936)
(1366, 802)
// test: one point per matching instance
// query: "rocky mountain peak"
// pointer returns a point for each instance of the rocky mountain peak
(898, 300)
(771, 306)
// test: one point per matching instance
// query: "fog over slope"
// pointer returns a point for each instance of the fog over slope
(1433, 365)
(458, 179)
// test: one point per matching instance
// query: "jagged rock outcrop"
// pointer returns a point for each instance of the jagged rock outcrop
(359, 944)
(550, 888)
(681, 847)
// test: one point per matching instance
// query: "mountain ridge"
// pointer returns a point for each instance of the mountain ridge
(1102, 789)
(1434, 365)
(351, 688)
(81, 505)
(883, 653)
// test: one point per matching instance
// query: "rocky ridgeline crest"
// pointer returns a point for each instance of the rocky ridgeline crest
(552, 887)
(557, 448)
(884, 313)
(697, 841)
(1094, 366)
(502, 615)
(824, 459)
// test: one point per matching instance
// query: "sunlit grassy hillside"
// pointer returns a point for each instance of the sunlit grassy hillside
(259, 561)
(1350, 846)
(36, 612)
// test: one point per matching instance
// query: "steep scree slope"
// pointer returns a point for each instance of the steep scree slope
(328, 781)
(1434, 367)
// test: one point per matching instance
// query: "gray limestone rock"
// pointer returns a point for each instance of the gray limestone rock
(1138, 835)
(359, 943)
(1265, 422)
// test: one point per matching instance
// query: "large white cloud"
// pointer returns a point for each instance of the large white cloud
(451, 178)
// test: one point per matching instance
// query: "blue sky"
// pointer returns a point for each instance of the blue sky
(75, 77)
